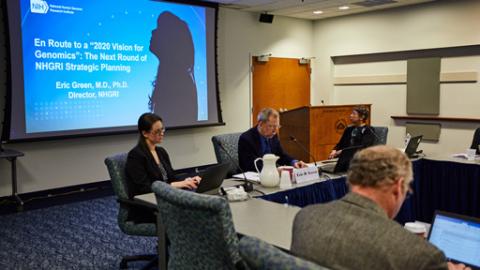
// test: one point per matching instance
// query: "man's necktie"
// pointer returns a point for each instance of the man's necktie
(268, 149)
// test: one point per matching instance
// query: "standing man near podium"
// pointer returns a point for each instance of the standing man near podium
(357, 134)
(263, 139)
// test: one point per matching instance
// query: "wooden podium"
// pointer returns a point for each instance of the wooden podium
(318, 128)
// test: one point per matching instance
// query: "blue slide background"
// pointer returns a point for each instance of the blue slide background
(121, 21)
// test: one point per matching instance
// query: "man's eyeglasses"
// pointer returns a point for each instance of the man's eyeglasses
(158, 131)
(273, 126)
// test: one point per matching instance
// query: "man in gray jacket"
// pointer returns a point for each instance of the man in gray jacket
(357, 231)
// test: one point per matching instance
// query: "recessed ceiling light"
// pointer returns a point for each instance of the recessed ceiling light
(343, 7)
(318, 12)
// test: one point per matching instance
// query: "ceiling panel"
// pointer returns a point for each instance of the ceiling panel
(304, 9)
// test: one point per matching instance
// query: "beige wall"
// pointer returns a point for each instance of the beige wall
(433, 25)
(445, 23)
(62, 163)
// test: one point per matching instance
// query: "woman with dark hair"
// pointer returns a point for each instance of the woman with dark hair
(147, 163)
(357, 134)
(172, 44)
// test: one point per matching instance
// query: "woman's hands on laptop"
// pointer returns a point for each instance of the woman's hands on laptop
(189, 182)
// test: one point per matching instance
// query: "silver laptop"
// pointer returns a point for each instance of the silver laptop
(328, 165)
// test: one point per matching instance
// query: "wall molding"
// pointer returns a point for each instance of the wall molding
(468, 50)
(435, 118)
(445, 77)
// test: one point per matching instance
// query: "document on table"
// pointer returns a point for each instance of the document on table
(253, 176)
(460, 155)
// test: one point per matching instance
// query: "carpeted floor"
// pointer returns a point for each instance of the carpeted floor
(82, 235)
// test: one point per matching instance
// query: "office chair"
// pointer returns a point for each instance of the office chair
(476, 140)
(381, 133)
(199, 228)
(230, 143)
(261, 255)
(116, 169)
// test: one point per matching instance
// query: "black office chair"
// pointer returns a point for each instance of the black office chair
(230, 143)
(116, 169)
(381, 134)
(263, 256)
(200, 229)
(476, 140)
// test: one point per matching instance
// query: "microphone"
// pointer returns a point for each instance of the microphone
(247, 185)
(293, 139)
(353, 147)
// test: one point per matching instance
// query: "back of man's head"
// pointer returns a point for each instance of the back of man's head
(378, 166)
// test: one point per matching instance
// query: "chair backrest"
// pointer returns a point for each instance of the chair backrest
(116, 169)
(382, 133)
(476, 140)
(199, 228)
(230, 143)
(261, 255)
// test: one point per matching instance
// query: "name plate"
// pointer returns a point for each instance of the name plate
(305, 174)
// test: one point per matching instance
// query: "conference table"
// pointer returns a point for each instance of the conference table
(440, 183)
(269, 221)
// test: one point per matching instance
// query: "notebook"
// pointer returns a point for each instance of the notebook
(212, 178)
(458, 237)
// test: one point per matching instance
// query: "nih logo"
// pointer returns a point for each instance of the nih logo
(38, 6)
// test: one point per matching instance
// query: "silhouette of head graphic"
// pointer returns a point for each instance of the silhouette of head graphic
(174, 85)
(172, 41)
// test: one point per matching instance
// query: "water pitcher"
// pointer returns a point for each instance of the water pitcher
(269, 175)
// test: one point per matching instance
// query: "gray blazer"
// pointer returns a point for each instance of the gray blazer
(355, 233)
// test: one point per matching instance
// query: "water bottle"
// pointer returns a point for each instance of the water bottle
(407, 139)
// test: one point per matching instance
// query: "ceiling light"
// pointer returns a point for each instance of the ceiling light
(343, 7)
(318, 12)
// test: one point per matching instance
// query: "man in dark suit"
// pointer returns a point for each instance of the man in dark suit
(262, 139)
(357, 231)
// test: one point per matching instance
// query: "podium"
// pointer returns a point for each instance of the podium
(318, 128)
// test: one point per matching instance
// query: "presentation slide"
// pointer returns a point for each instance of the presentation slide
(93, 65)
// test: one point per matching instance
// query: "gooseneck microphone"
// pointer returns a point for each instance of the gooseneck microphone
(293, 139)
(247, 185)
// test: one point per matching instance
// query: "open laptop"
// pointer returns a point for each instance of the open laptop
(212, 178)
(412, 146)
(343, 161)
(458, 237)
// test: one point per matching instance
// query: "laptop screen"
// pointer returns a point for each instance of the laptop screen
(212, 178)
(412, 146)
(458, 237)
(345, 157)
